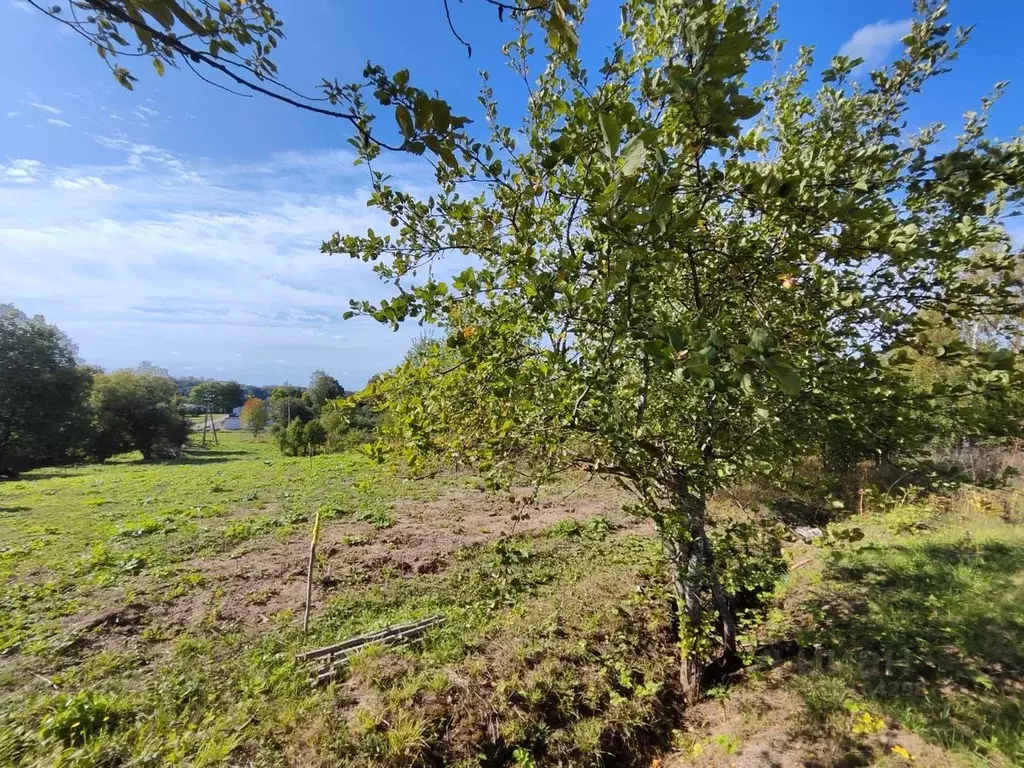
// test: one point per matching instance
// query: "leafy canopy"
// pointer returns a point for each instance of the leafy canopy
(322, 389)
(43, 391)
(254, 414)
(221, 396)
(135, 411)
(690, 269)
(683, 275)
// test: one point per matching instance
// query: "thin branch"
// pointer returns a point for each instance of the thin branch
(195, 55)
(208, 81)
(451, 26)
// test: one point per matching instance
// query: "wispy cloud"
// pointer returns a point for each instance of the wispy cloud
(157, 249)
(58, 123)
(13, 113)
(21, 171)
(44, 107)
(875, 42)
(82, 182)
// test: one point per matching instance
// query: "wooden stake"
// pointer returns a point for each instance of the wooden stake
(309, 571)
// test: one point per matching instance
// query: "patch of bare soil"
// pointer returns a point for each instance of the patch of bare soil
(264, 579)
(766, 725)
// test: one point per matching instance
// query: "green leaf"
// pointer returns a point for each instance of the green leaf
(788, 380)
(759, 339)
(404, 120)
(183, 16)
(610, 130)
(745, 107)
(633, 155)
(1002, 359)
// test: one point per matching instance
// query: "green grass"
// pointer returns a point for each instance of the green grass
(69, 534)
(910, 624)
(927, 625)
(553, 646)
(556, 650)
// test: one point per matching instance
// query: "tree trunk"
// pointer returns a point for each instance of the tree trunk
(721, 601)
(685, 561)
(694, 570)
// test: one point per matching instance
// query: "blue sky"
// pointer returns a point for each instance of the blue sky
(180, 224)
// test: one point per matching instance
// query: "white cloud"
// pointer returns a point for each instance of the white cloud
(143, 157)
(44, 107)
(59, 123)
(146, 111)
(175, 353)
(82, 182)
(875, 42)
(13, 113)
(21, 171)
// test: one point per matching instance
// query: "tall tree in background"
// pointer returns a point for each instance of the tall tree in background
(321, 390)
(221, 396)
(43, 391)
(287, 405)
(254, 414)
(684, 277)
(134, 411)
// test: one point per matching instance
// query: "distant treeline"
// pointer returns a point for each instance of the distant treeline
(55, 409)
(187, 384)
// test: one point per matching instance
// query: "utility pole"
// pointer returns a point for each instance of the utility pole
(208, 416)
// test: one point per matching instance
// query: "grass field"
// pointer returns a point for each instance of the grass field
(150, 615)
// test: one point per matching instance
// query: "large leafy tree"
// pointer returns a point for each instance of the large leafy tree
(684, 276)
(135, 411)
(286, 405)
(43, 391)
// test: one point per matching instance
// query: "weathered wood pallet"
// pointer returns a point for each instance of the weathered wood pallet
(332, 658)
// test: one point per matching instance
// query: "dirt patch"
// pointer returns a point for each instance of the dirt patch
(766, 725)
(263, 578)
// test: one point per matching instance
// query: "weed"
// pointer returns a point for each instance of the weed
(728, 743)
(566, 529)
(378, 520)
(406, 738)
(73, 720)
